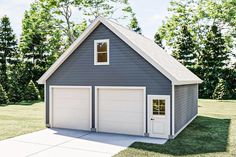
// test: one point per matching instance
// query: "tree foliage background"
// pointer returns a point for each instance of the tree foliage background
(201, 34)
(48, 28)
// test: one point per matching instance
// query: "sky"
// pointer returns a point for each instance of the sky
(149, 13)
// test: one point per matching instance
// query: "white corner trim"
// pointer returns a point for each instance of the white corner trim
(120, 87)
(184, 126)
(96, 108)
(44, 99)
(144, 110)
(173, 109)
(108, 52)
(72, 87)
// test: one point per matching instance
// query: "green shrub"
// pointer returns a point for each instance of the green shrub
(32, 92)
(15, 94)
(3, 96)
(221, 91)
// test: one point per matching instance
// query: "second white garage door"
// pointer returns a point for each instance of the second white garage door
(70, 107)
(121, 110)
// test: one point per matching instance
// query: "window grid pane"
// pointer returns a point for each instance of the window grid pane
(102, 52)
(102, 57)
(102, 47)
(158, 107)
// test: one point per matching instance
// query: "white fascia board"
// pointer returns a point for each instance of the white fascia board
(87, 32)
(188, 82)
(139, 51)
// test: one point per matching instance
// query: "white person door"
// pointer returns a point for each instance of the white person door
(159, 115)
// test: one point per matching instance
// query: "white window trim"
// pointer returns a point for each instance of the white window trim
(108, 52)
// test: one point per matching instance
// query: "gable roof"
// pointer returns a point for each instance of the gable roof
(148, 49)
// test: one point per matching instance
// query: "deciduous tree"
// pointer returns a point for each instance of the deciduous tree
(40, 43)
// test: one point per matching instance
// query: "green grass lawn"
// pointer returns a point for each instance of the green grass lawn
(20, 119)
(211, 134)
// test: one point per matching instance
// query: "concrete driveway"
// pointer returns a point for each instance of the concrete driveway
(69, 143)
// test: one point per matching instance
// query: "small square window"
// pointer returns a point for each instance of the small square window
(101, 52)
(158, 107)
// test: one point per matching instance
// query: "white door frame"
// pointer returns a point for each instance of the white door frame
(167, 99)
(79, 87)
(120, 87)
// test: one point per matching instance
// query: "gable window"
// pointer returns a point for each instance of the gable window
(101, 52)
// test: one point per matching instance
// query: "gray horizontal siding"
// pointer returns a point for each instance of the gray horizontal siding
(186, 101)
(127, 68)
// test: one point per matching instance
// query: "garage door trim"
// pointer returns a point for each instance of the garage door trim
(121, 87)
(68, 87)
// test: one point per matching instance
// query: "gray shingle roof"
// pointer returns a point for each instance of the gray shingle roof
(147, 48)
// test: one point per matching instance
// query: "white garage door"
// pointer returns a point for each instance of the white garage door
(71, 107)
(120, 110)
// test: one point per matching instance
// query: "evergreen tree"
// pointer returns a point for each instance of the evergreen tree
(158, 40)
(31, 93)
(199, 15)
(17, 83)
(214, 58)
(184, 50)
(221, 91)
(3, 96)
(134, 24)
(7, 50)
(229, 75)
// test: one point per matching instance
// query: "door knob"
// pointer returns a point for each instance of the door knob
(152, 119)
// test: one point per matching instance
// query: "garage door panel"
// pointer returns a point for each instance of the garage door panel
(73, 113)
(72, 104)
(121, 111)
(127, 128)
(121, 94)
(122, 105)
(126, 116)
(70, 93)
(71, 108)
(121, 108)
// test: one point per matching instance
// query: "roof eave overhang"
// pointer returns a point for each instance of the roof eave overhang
(87, 32)
(187, 82)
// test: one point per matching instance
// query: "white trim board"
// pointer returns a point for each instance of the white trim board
(173, 109)
(80, 87)
(184, 127)
(120, 87)
(109, 24)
